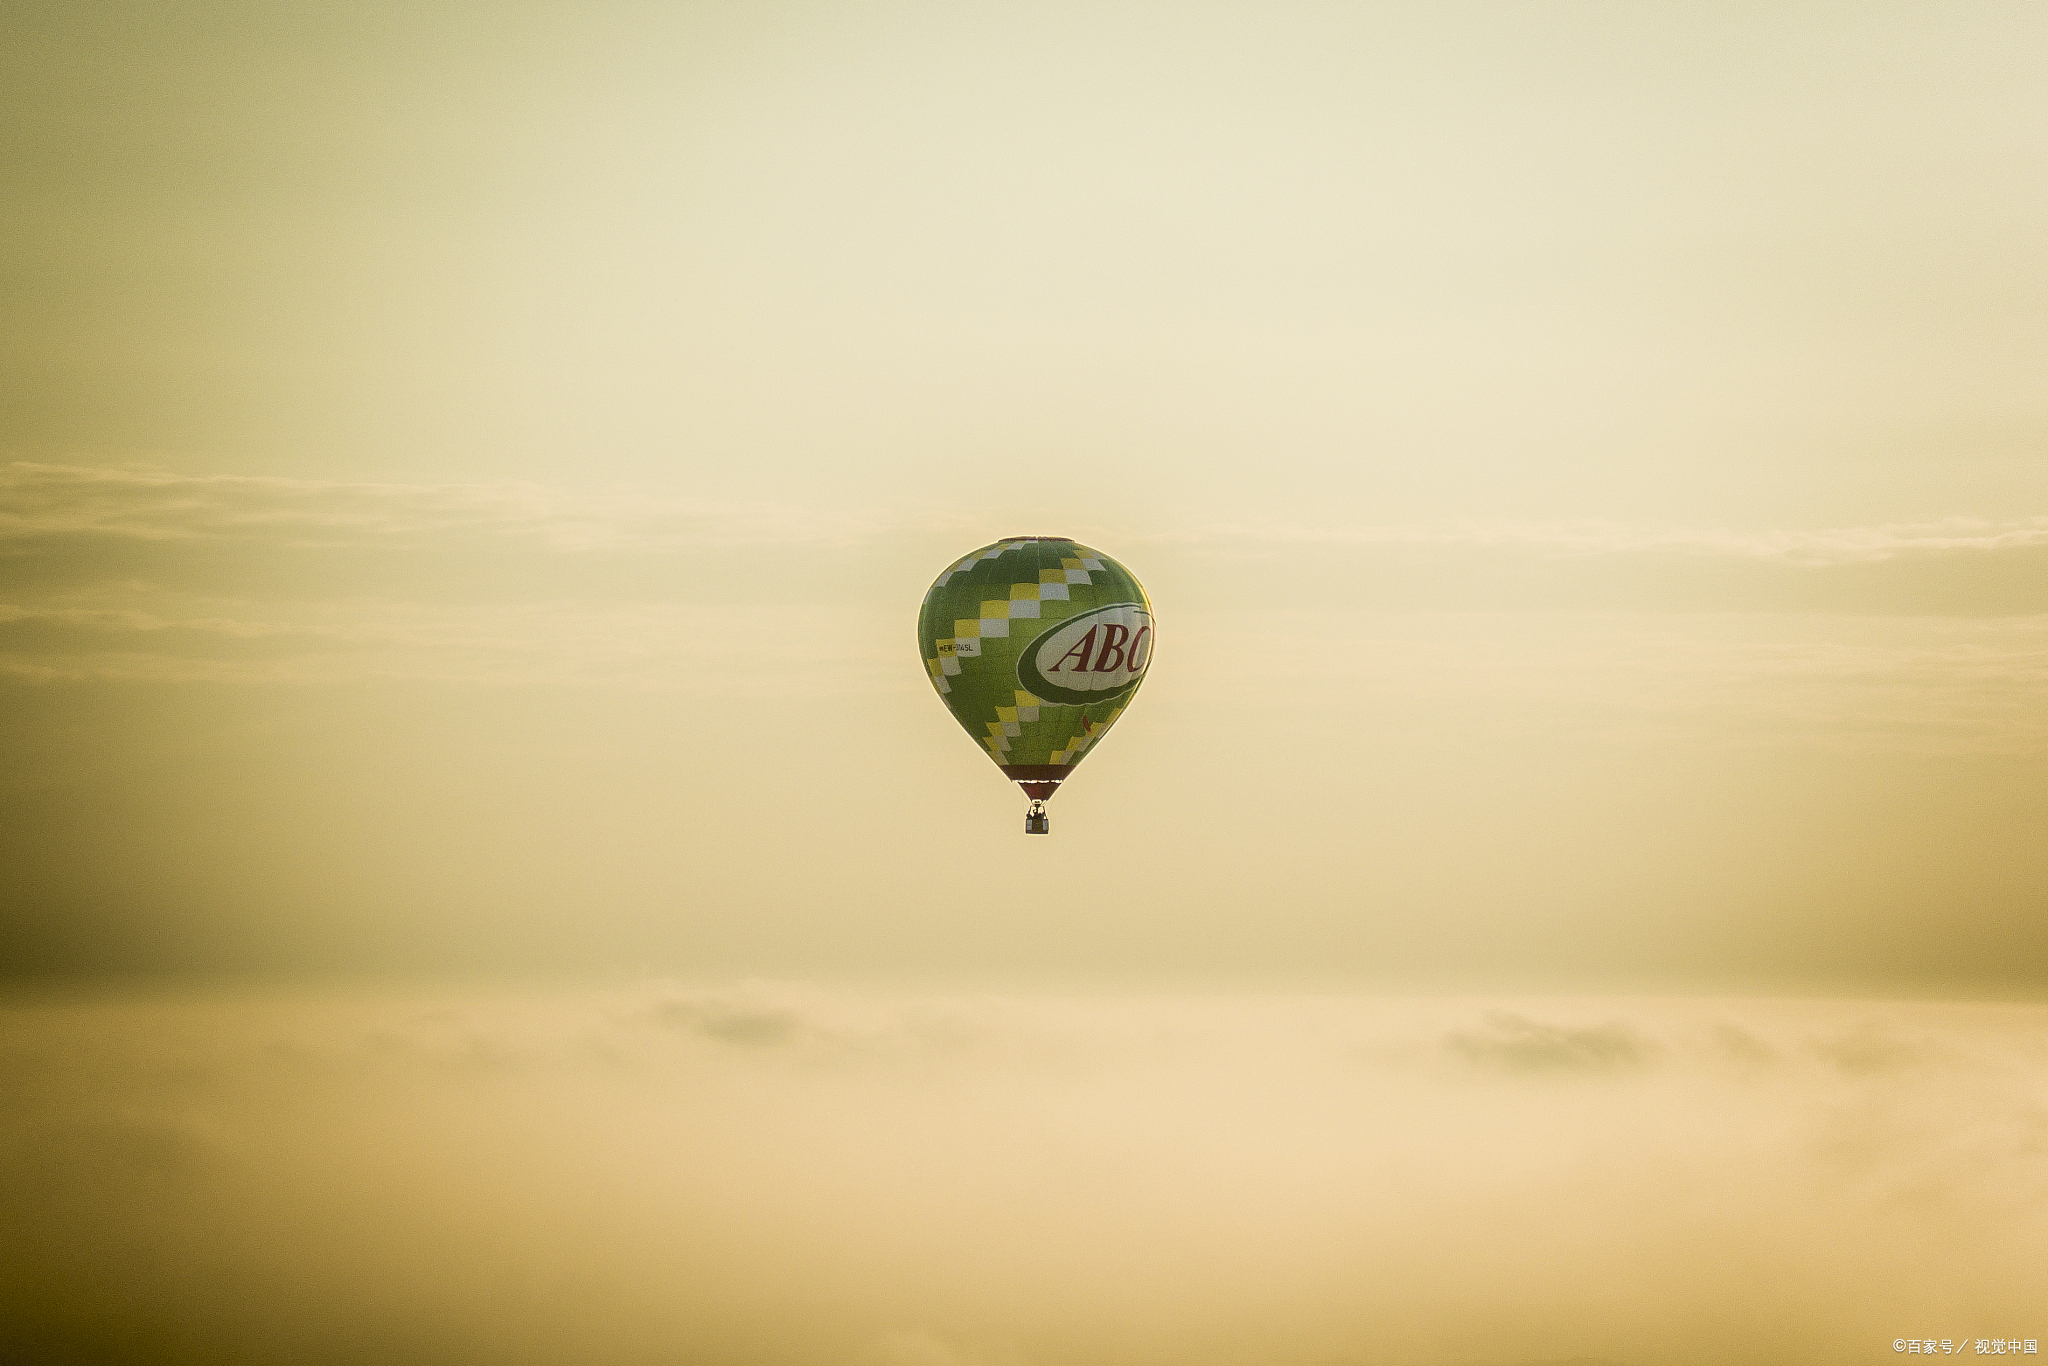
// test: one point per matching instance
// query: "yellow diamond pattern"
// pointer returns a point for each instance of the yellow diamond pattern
(994, 620)
(1065, 754)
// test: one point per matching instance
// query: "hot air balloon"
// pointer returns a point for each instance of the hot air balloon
(1036, 645)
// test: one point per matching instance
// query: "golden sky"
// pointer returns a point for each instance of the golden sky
(472, 469)
(484, 878)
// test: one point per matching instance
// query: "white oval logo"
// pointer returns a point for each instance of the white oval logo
(1089, 657)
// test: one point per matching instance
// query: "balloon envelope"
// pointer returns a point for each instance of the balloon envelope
(1036, 644)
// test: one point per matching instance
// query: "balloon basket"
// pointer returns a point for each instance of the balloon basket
(1036, 822)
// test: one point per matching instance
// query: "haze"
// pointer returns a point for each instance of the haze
(467, 476)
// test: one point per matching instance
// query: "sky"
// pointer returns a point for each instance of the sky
(470, 471)
(484, 876)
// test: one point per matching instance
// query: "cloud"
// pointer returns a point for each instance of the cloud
(667, 1173)
(750, 1025)
(72, 631)
(152, 576)
(1838, 682)
(39, 501)
(1814, 548)
(1741, 1046)
(93, 1150)
(1516, 1043)
(790, 1017)
(771, 648)
(1870, 1048)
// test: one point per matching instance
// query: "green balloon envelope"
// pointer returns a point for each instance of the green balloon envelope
(1037, 645)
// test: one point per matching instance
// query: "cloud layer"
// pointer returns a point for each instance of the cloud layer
(1810, 548)
(770, 1174)
(135, 576)
(46, 500)
(71, 501)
